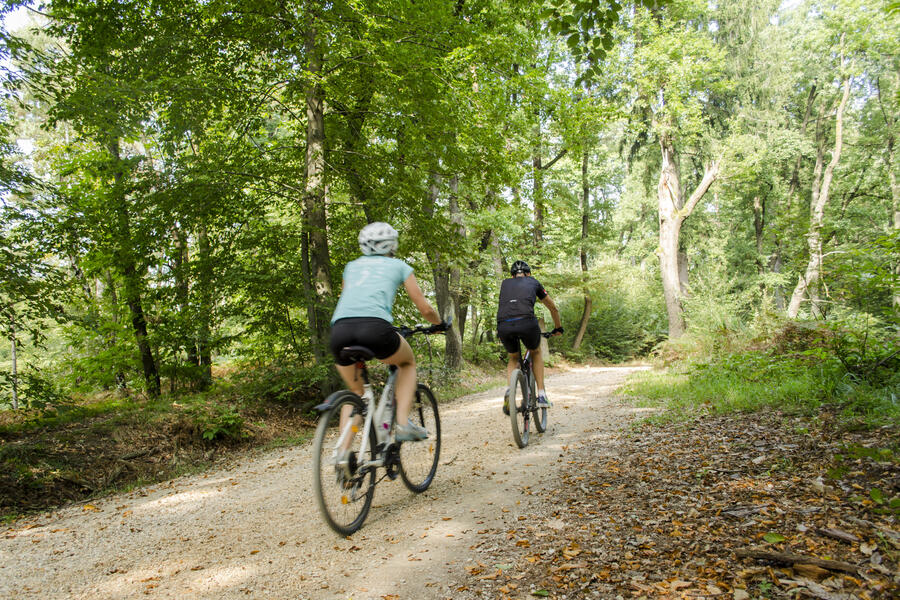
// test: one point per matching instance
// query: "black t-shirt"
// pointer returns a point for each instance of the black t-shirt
(517, 297)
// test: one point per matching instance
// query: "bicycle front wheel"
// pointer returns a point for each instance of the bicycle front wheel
(419, 460)
(539, 414)
(343, 487)
(519, 413)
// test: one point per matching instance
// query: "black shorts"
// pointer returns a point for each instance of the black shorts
(377, 335)
(526, 330)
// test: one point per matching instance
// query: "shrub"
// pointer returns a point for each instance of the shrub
(285, 383)
(801, 366)
(212, 420)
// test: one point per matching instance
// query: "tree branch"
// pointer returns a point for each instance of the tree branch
(558, 156)
(712, 172)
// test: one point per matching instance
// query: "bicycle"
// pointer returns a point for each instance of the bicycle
(345, 482)
(524, 408)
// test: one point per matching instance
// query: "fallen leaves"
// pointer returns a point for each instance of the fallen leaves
(664, 511)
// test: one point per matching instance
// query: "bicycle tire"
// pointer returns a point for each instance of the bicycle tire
(538, 414)
(343, 503)
(518, 408)
(419, 460)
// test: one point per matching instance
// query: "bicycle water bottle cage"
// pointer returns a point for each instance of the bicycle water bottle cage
(356, 354)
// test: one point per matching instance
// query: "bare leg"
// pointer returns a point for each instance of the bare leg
(405, 385)
(512, 365)
(351, 378)
(537, 365)
(354, 383)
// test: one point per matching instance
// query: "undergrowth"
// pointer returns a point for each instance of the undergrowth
(800, 367)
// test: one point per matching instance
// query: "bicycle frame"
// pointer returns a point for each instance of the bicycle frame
(525, 361)
(525, 364)
(383, 435)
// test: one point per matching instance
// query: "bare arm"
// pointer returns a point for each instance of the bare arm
(418, 298)
(554, 312)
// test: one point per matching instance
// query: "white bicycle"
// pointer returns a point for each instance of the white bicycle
(345, 464)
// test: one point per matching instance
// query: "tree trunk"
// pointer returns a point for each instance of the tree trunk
(890, 121)
(133, 283)
(15, 374)
(538, 199)
(476, 322)
(795, 174)
(672, 213)
(454, 336)
(895, 194)
(182, 290)
(776, 261)
(442, 276)
(585, 222)
(205, 303)
(759, 220)
(354, 144)
(315, 219)
(775, 265)
(669, 200)
(494, 245)
(819, 199)
(683, 269)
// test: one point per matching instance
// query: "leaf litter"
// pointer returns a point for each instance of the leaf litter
(692, 511)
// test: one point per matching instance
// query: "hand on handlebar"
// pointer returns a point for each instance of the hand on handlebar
(440, 327)
(557, 331)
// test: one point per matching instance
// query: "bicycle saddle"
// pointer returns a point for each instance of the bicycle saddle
(356, 353)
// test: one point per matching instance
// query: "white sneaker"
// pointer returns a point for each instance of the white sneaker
(410, 433)
(342, 466)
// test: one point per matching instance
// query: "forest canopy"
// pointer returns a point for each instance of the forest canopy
(182, 183)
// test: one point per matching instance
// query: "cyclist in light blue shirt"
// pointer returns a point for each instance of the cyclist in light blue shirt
(363, 317)
(370, 285)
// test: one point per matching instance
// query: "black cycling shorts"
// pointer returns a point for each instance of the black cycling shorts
(377, 335)
(526, 330)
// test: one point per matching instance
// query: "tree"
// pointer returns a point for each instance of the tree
(677, 70)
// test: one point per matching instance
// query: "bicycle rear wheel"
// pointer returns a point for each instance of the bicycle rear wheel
(519, 414)
(539, 414)
(343, 493)
(419, 460)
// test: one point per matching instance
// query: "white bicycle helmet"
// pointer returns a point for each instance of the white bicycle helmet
(378, 238)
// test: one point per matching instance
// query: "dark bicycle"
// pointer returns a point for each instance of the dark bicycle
(523, 400)
(355, 437)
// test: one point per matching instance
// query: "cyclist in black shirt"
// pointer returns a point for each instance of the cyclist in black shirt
(516, 322)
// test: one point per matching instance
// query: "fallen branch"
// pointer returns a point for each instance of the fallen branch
(838, 535)
(797, 559)
(135, 454)
(890, 534)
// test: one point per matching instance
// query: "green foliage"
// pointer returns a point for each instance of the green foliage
(627, 315)
(301, 385)
(166, 186)
(588, 28)
(216, 421)
(36, 392)
(800, 367)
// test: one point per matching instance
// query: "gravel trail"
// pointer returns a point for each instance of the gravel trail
(252, 529)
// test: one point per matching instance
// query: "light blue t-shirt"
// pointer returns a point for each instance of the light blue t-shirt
(370, 284)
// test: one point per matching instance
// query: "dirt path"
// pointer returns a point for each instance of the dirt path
(252, 529)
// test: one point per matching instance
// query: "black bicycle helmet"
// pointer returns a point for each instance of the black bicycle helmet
(520, 266)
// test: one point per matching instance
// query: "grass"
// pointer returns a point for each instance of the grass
(752, 380)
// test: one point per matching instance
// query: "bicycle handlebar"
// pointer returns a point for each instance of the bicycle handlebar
(548, 334)
(407, 332)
